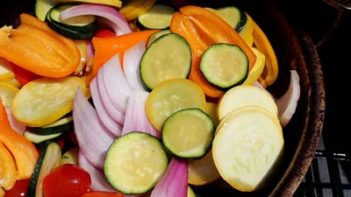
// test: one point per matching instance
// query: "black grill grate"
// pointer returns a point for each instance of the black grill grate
(329, 175)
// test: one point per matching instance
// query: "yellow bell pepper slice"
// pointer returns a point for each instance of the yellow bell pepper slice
(246, 32)
(135, 8)
(7, 93)
(7, 169)
(42, 101)
(257, 70)
(271, 70)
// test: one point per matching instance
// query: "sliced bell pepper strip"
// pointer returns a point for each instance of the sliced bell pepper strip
(7, 169)
(182, 25)
(23, 76)
(23, 151)
(216, 30)
(106, 47)
(135, 8)
(36, 48)
(262, 43)
(6, 72)
(246, 32)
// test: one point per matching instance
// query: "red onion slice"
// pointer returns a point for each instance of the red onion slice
(110, 16)
(136, 118)
(98, 179)
(288, 102)
(116, 83)
(131, 64)
(17, 126)
(92, 137)
(104, 117)
(106, 101)
(174, 183)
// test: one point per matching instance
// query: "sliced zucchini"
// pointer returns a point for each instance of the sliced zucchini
(36, 138)
(171, 96)
(202, 171)
(234, 16)
(188, 133)
(49, 158)
(168, 57)
(135, 162)
(42, 7)
(63, 125)
(43, 101)
(246, 95)
(246, 148)
(156, 35)
(79, 27)
(224, 65)
(158, 17)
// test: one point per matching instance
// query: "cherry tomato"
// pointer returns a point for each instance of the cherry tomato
(19, 189)
(67, 180)
(103, 194)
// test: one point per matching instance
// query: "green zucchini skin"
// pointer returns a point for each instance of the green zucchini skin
(50, 155)
(234, 16)
(139, 151)
(63, 125)
(224, 65)
(85, 31)
(158, 17)
(173, 121)
(168, 57)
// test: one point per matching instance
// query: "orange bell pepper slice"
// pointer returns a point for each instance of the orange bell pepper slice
(7, 169)
(38, 49)
(182, 25)
(23, 151)
(214, 29)
(106, 47)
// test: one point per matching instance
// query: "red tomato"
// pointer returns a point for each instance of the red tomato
(103, 194)
(19, 189)
(67, 180)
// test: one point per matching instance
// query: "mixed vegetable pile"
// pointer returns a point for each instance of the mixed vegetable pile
(100, 98)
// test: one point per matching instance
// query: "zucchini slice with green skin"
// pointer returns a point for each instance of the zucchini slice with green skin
(234, 16)
(135, 162)
(224, 65)
(158, 17)
(49, 158)
(168, 57)
(188, 133)
(36, 138)
(42, 7)
(60, 126)
(80, 27)
(156, 35)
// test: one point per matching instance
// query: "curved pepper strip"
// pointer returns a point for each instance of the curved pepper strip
(271, 69)
(136, 8)
(106, 47)
(216, 30)
(182, 25)
(7, 169)
(36, 48)
(23, 151)
(246, 32)
(202, 28)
